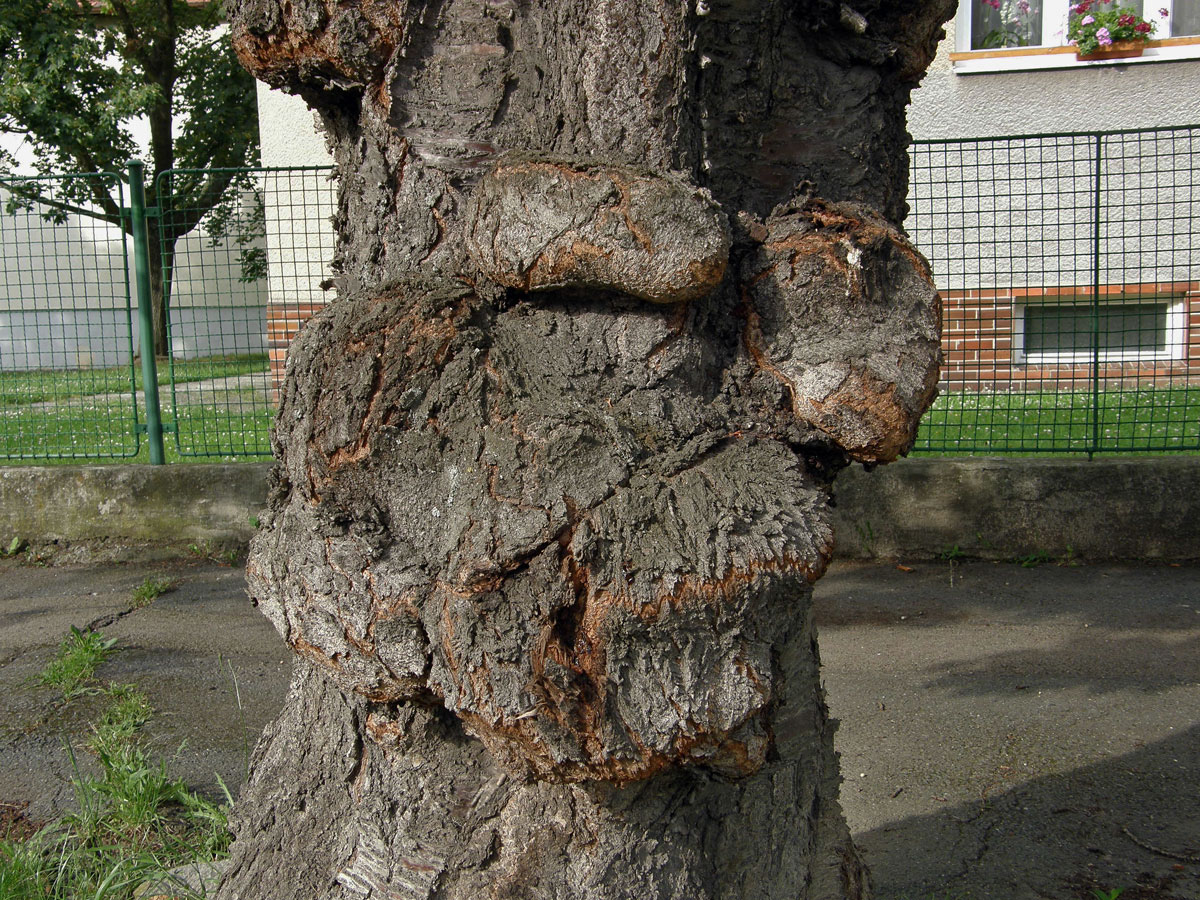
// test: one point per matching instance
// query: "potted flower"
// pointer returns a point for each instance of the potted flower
(1100, 29)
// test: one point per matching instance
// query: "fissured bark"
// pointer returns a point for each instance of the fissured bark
(621, 288)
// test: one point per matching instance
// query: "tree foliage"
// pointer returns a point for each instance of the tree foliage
(76, 74)
(75, 77)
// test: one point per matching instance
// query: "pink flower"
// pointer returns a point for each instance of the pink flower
(1163, 12)
(1103, 37)
(1023, 6)
(1087, 20)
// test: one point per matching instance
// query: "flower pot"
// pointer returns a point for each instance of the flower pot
(1117, 50)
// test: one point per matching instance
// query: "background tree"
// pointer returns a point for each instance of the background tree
(622, 287)
(74, 77)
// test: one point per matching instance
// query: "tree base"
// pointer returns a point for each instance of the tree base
(352, 800)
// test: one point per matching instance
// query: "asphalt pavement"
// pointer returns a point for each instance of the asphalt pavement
(1007, 731)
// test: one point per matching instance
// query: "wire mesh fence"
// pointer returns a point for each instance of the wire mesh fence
(255, 259)
(1069, 267)
(71, 362)
(68, 388)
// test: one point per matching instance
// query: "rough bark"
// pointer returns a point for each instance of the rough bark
(621, 290)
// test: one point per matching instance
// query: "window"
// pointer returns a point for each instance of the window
(1126, 329)
(998, 35)
(1010, 23)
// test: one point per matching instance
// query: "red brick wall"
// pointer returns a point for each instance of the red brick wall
(977, 342)
(283, 322)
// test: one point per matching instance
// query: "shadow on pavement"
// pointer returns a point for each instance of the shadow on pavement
(1130, 822)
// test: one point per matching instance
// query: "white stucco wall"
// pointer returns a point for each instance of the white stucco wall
(1085, 98)
(288, 133)
(300, 240)
(63, 295)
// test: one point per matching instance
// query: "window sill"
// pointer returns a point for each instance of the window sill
(1023, 59)
(1106, 357)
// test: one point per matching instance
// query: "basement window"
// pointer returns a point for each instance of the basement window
(1123, 328)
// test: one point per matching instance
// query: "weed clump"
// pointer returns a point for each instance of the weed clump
(76, 661)
(146, 592)
(133, 823)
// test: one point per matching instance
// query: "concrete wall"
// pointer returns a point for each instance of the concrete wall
(1142, 509)
(123, 509)
(992, 508)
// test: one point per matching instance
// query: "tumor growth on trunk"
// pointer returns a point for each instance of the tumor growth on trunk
(621, 288)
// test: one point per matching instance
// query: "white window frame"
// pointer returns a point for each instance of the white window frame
(1055, 52)
(1175, 347)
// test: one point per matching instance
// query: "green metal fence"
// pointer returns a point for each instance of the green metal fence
(82, 271)
(273, 225)
(1069, 266)
(68, 386)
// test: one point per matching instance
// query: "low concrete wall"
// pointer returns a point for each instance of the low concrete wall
(913, 509)
(117, 510)
(1146, 508)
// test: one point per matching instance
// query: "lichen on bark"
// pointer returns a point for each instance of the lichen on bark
(621, 288)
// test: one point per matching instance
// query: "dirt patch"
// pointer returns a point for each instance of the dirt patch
(1147, 887)
(15, 825)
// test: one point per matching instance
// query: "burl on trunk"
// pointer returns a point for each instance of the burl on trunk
(621, 288)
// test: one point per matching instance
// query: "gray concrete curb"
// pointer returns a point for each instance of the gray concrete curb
(991, 508)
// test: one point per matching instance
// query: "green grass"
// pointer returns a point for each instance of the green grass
(1144, 420)
(89, 424)
(57, 385)
(66, 416)
(88, 430)
(127, 711)
(145, 593)
(73, 666)
(134, 821)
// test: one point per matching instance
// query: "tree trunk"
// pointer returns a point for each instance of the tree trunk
(621, 290)
(160, 287)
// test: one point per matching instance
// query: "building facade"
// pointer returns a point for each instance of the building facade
(1061, 257)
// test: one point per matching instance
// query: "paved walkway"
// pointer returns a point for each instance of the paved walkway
(239, 393)
(1010, 733)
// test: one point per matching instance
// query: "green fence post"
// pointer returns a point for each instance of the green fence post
(141, 265)
(1097, 212)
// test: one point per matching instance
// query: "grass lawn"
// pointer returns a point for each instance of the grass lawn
(75, 415)
(89, 419)
(91, 430)
(56, 385)
(1130, 421)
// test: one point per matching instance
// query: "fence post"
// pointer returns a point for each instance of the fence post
(1098, 209)
(141, 266)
